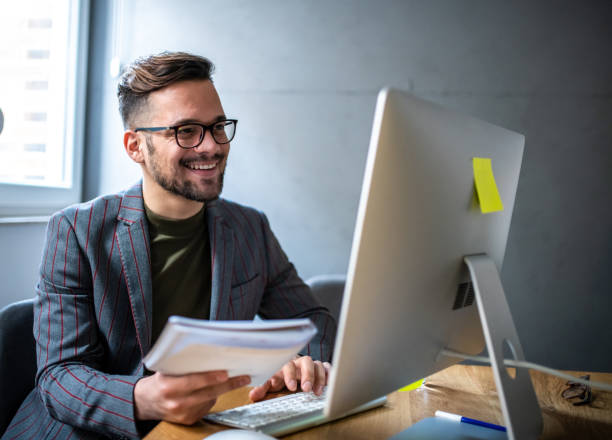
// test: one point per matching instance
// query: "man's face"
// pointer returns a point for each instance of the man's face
(195, 174)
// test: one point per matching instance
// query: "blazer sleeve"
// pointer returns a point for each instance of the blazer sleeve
(287, 296)
(69, 353)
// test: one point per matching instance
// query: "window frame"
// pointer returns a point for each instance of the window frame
(20, 200)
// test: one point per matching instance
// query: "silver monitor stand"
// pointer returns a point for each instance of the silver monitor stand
(517, 397)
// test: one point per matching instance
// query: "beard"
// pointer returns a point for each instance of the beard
(185, 188)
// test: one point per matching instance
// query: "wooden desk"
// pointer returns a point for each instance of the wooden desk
(466, 390)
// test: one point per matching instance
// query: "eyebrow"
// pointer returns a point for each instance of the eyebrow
(197, 121)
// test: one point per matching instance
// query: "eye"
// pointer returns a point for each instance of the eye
(186, 130)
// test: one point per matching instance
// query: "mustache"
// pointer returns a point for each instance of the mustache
(203, 157)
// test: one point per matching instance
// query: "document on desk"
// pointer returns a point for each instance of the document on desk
(255, 348)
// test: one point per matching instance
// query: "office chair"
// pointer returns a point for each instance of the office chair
(328, 290)
(17, 358)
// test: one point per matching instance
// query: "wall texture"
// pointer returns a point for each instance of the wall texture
(302, 77)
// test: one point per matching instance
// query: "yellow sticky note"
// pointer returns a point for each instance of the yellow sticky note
(486, 188)
(413, 385)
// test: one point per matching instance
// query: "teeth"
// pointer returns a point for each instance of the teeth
(195, 166)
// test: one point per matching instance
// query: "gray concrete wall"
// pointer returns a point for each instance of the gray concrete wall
(302, 77)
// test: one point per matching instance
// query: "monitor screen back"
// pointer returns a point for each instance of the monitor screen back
(418, 216)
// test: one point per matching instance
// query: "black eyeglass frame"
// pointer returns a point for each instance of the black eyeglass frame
(205, 128)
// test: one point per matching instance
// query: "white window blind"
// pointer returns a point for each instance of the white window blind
(42, 87)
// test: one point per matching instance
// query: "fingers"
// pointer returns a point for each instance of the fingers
(320, 378)
(312, 376)
(170, 386)
(182, 399)
(307, 373)
(290, 376)
(213, 391)
(259, 392)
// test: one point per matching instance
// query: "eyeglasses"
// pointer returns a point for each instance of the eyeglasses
(191, 135)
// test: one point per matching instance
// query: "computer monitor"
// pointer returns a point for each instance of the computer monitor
(408, 293)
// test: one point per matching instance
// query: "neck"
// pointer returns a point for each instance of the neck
(163, 202)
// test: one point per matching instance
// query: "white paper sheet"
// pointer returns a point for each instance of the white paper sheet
(255, 348)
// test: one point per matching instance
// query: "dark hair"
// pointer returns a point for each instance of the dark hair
(154, 72)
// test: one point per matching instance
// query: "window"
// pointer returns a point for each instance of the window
(43, 49)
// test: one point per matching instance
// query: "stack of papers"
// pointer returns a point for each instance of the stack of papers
(255, 348)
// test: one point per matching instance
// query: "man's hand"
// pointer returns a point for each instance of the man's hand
(182, 399)
(312, 376)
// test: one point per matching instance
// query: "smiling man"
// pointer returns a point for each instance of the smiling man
(115, 268)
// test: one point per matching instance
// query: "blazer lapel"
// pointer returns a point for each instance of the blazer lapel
(222, 258)
(133, 241)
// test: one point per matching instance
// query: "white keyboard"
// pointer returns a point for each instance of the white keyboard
(282, 415)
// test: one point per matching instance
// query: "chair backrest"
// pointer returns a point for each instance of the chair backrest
(328, 290)
(17, 358)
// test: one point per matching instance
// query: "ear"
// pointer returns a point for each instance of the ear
(133, 144)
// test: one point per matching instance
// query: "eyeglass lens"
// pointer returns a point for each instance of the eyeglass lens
(191, 135)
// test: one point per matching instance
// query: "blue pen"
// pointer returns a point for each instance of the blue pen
(459, 418)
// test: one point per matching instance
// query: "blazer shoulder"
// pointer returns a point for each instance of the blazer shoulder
(94, 210)
(239, 215)
(231, 209)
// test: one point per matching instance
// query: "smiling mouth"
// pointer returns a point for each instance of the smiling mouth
(201, 165)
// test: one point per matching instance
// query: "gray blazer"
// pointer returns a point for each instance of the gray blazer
(92, 315)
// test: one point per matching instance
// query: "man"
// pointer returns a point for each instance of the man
(115, 268)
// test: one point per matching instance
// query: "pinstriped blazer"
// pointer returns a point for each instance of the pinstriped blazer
(92, 316)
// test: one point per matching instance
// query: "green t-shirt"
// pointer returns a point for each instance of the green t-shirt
(180, 267)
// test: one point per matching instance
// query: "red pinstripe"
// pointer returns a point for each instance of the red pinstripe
(108, 271)
(76, 212)
(58, 431)
(323, 337)
(244, 266)
(51, 227)
(131, 306)
(246, 241)
(222, 277)
(88, 418)
(71, 432)
(91, 208)
(125, 219)
(95, 389)
(55, 252)
(214, 243)
(38, 337)
(49, 329)
(293, 309)
(101, 376)
(133, 197)
(100, 242)
(115, 308)
(14, 423)
(62, 327)
(144, 304)
(252, 228)
(76, 316)
(66, 251)
(101, 408)
(133, 209)
(25, 430)
(40, 426)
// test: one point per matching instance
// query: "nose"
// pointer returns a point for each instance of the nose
(208, 144)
